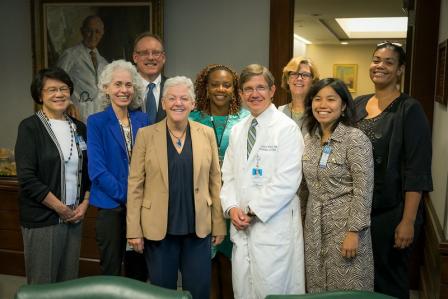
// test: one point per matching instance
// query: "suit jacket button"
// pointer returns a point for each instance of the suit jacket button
(196, 190)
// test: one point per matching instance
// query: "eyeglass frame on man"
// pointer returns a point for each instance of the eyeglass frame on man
(259, 89)
(147, 53)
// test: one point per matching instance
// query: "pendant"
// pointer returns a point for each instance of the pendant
(179, 143)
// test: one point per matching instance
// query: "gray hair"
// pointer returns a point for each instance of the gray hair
(179, 80)
(106, 78)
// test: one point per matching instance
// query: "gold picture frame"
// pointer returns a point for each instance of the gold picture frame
(348, 73)
(56, 26)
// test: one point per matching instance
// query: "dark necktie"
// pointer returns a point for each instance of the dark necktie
(251, 136)
(151, 107)
(94, 60)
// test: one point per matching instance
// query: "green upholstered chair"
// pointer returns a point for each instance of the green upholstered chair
(336, 295)
(99, 287)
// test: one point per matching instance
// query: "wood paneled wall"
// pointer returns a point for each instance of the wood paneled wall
(434, 271)
(280, 43)
(11, 245)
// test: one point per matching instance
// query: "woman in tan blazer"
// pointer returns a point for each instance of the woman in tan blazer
(173, 211)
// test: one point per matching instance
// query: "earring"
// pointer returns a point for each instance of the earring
(107, 96)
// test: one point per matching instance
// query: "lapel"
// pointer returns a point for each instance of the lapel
(159, 142)
(114, 128)
(196, 141)
(160, 112)
(134, 124)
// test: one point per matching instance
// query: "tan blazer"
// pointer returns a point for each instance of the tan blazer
(147, 202)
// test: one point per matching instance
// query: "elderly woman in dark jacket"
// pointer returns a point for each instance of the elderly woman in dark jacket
(52, 172)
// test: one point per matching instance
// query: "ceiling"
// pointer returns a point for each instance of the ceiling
(315, 21)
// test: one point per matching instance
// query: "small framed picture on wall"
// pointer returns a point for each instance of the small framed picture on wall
(348, 73)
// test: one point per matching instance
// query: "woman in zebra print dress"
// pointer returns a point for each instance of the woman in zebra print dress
(338, 168)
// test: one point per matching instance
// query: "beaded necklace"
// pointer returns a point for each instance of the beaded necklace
(72, 133)
(127, 135)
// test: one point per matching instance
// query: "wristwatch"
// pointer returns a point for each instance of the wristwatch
(250, 212)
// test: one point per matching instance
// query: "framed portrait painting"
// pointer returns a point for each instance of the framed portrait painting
(348, 73)
(57, 26)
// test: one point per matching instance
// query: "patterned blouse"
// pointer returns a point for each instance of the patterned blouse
(340, 198)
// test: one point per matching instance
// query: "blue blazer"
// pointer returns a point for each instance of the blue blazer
(108, 159)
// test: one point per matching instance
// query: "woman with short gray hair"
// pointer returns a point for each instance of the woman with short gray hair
(174, 212)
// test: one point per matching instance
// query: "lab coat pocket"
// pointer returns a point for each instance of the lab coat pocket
(278, 230)
(263, 166)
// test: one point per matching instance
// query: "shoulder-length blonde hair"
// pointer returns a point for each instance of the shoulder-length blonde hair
(294, 66)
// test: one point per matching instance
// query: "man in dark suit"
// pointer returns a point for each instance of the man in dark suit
(149, 58)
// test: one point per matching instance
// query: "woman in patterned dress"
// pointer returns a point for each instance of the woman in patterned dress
(218, 106)
(338, 168)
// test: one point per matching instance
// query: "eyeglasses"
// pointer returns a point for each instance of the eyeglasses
(54, 90)
(386, 42)
(259, 89)
(147, 53)
(173, 99)
(304, 75)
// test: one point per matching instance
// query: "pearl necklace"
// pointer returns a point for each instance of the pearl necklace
(72, 133)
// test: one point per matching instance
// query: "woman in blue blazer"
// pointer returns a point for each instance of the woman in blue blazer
(111, 135)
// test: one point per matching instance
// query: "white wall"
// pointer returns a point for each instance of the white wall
(16, 68)
(197, 32)
(325, 56)
(440, 140)
(299, 48)
(200, 32)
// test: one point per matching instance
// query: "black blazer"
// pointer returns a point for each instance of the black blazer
(401, 150)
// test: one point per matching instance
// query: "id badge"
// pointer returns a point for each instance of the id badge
(81, 142)
(257, 176)
(325, 154)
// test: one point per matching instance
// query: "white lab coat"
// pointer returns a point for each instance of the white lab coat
(267, 257)
(77, 62)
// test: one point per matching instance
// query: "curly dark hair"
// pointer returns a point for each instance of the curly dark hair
(202, 100)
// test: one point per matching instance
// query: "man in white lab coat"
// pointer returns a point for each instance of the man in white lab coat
(84, 64)
(261, 174)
